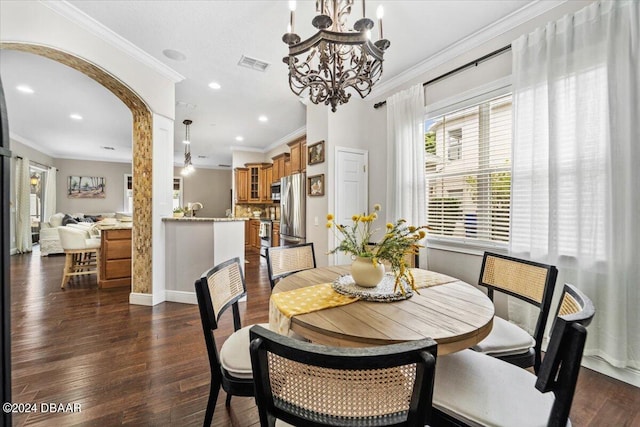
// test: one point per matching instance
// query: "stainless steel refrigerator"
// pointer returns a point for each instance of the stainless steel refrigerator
(293, 200)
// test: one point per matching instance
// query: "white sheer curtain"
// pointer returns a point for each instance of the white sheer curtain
(405, 156)
(23, 194)
(576, 165)
(49, 194)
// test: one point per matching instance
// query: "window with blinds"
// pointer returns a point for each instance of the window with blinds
(468, 172)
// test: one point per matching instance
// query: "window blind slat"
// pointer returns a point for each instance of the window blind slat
(468, 172)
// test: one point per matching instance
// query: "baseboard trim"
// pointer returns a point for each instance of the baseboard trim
(136, 298)
(181, 297)
(627, 375)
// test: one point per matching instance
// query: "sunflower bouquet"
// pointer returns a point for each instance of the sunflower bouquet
(399, 240)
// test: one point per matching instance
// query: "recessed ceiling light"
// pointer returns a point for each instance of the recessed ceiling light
(239, 138)
(75, 116)
(263, 118)
(24, 89)
(214, 85)
(174, 54)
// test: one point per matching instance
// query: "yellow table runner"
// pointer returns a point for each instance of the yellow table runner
(284, 305)
(425, 278)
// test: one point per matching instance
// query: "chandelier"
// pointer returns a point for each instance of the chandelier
(335, 58)
(188, 167)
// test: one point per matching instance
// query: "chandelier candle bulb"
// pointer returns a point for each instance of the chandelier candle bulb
(380, 14)
(292, 8)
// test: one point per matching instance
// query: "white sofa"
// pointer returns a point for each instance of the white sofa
(49, 236)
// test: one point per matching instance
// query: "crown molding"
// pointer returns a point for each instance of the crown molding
(249, 149)
(83, 20)
(31, 144)
(477, 39)
(287, 138)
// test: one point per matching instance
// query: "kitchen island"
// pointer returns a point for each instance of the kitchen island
(115, 254)
(194, 245)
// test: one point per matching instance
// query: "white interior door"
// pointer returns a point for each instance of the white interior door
(352, 194)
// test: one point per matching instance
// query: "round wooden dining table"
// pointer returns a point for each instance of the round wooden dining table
(455, 314)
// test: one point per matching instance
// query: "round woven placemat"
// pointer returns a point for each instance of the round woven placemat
(382, 292)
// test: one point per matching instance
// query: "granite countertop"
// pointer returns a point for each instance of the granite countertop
(203, 219)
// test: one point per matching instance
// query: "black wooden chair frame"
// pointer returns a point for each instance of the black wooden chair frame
(220, 376)
(561, 365)
(533, 356)
(422, 353)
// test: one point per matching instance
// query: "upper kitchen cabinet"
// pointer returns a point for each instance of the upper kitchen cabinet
(242, 185)
(266, 179)
(256, 181)
(278, 166)
(298, 156)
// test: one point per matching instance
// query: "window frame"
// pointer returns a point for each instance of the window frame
(463, 100)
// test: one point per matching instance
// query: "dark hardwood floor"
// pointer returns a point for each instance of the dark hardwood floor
(147, 366)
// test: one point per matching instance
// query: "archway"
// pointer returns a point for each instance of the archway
(142, 164)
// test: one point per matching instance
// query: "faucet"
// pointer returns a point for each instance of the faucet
(193, 207)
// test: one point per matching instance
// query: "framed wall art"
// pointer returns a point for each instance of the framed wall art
(315, 185)
(315, 153)
(86, 187)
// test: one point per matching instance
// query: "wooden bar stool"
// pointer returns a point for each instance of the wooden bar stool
(82, 254)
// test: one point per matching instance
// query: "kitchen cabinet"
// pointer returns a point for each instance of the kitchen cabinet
(287, 166)
(278, 166)
(242, 185)
(115, 258)
(253, 187)
(295, 150)
(254, 231)
(266, 179)
(303, 156)
(275, 233)
(247, 230)
(255, 182)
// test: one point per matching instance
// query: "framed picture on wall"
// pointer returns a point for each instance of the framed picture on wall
(86, 187)
(315, 185)
(315, 153)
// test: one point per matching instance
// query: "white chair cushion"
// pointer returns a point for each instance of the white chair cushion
(485, 391)
(505, 339)
(234, 354)
(92, 243)
(56, 219)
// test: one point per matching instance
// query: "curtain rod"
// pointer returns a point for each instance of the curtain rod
(37, 163)
(470, 64)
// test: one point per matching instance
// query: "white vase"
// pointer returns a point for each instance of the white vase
(365, 273)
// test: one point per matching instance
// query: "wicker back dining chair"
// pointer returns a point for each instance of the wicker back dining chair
(306, 384)
(285, 260)
(218, 289)
(472, 388)
(528, 281)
